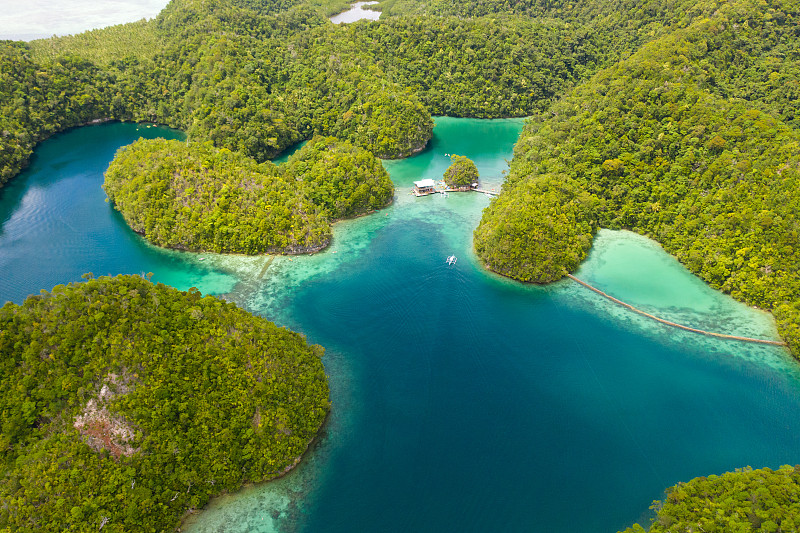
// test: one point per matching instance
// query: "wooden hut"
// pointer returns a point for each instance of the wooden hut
(424, 187)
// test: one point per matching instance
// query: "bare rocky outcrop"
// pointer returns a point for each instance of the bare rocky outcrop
(102, 429)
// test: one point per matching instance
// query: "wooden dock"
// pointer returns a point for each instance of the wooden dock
(443, 191)
(673, 324)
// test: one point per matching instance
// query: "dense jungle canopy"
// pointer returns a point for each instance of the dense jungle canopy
(462, 172)
(674, 118)
(127, 404)
(199, 198)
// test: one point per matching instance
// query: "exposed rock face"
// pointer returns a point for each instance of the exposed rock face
(102, 429)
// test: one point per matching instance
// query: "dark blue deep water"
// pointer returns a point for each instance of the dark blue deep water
(480, 406)
(462, 402)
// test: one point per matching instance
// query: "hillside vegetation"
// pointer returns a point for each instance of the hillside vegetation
(125, 404)
(101, 46)
(746, 500)
(653, 145)
(258, 76)
(199, 198)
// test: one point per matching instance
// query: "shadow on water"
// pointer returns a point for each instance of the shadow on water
(289, 152)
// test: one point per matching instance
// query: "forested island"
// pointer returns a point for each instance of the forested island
(746, 500)
(461, 173)
(200, 198)
(676, 119)
(127, 404)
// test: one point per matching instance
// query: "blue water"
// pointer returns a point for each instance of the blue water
(466, 402)
(461, 401)
(55, 224)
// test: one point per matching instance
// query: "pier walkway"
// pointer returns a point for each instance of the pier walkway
(448, 190)
(673, 324)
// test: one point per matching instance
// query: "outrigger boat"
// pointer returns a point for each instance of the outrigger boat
(451, 260)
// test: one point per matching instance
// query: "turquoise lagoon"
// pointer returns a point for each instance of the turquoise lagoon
(462, 401)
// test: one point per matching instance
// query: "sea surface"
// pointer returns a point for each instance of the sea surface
(55, 223)
(462, 401)
(37, 19)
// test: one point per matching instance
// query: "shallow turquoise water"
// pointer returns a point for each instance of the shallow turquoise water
(461, 401)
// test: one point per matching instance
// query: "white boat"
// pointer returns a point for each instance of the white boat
(451, 260)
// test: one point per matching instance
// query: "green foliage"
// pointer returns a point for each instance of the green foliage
(746, 500)
(751, 51)
(196, 197)
(332, 7)
(248, 117)
(462, 172)
(126, 404)
(102, 46)
(620, 26)
(36, 102)
(343, 180)
(258, 76)
(282, 82)
(484, 68)
(538, 230)
(712, 179)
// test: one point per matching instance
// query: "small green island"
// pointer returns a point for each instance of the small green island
(199, 198)
(462, 173)
(126, 405)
